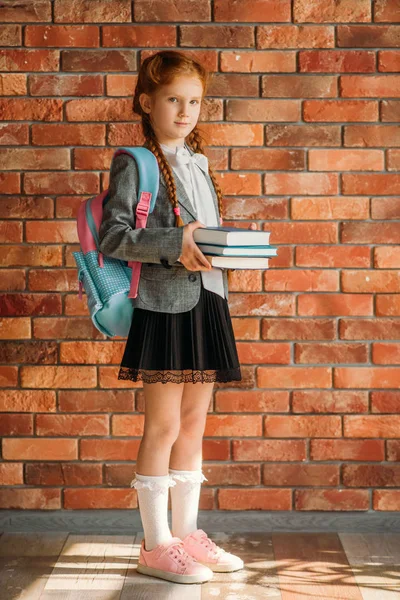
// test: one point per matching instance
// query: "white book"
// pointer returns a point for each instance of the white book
(234, 262)
(242, 251)
(230, 236)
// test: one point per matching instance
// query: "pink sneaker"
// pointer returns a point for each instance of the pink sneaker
(200, 547)
(170, 561)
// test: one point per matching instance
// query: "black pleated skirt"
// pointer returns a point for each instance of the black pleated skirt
(193, 346)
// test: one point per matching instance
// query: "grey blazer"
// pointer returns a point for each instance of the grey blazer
(163, 286)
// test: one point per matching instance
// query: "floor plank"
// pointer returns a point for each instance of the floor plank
(375, 561)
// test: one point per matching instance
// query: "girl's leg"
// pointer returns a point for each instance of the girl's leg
(161, 427)
(186, 458)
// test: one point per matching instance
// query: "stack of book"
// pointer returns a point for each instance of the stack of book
(235, 248)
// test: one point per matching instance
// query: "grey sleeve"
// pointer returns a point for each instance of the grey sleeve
(118, 237)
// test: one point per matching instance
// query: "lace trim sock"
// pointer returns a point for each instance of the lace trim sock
(152, 491)
(185, 495)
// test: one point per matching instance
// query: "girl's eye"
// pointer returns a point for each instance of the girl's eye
(173, 98)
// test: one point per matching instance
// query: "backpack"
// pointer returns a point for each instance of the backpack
(110, 283)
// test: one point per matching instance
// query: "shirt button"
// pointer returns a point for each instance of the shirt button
(192, 277)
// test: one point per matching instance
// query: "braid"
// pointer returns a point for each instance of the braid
(153, 145)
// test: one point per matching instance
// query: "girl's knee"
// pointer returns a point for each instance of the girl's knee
(163, 433)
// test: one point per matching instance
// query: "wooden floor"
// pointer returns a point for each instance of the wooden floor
(288, 566)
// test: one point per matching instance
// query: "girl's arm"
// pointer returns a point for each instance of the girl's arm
(118, 237)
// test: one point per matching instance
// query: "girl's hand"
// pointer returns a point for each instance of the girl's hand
(253, 225)
(192, 257)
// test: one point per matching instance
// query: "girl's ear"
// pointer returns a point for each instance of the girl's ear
(144, 101)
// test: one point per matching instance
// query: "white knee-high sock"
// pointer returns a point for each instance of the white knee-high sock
(152, 491)
(185, 497)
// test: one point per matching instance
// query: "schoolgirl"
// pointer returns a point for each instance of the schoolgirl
(181, 332)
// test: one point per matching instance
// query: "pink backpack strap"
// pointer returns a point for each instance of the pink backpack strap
(142, 213)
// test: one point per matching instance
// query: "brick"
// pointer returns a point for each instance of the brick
(292, 36)
(330, 353)
(29, 352)
(63, 85)
(11, 231)
(172, 10)
(302, 135)
(312, 11)
(329, 401)
(13, 84)
(8, 377)
(60, 376)
(112, 401)
(51, 231)
(233, 425)
(40, 449)
(98, 60)
(335, 304)
(302, 233)
(375, 377)
(30, 109)
(332, 256)
(255, 208)
(15, 328)
(387, 305)
(13, 134)
(369, 86)
(298, 329)
(30, 304)
(35, 159)
(369, 329)
(371, 281)
(84, 36)
(388, 60)
(387, 257)
(347, 450)
(371, 475)
(371, 135)
(269, 450)
(84, 11)
(386, 500)
(251, 401)
(300, 183)
(368, 36)
(240, 183)
(377, 426)
(16, 425)
(332, 500)
(95, 109)
(300, 475)
(263, 353)
(370, 233)
(337, 61)
(22, 59)
(67, 135)
(329, 208)
(45, 256)
(232, 84)
(248, 11)
(65, 328)
(30, 499)
(28, 207)
(393, 450)
(21, 11)
(11, 474)
(139, 36)
(346, 160)
(10, 35)
(303, 426)
(385, 402)
(258, 62)
(47, 182)
(220, 36)
(340, 110)
(127, 425)
(385, 208)
(301, 280)
(261, 304)
(108, 352)
(371, 183)
(258, 110)
(386, 11)
(246, 329)
(254, 499)
(241, 474)
(109, 449)
(98, 498)
(72, 425)
(386, 354)
(27, 401)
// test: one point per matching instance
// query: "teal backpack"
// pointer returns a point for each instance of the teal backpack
(110, 283)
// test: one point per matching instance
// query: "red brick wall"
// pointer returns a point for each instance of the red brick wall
(302, 122)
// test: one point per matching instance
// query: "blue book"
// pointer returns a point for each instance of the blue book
(253, 251)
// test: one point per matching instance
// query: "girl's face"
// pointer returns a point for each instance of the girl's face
(175, 103)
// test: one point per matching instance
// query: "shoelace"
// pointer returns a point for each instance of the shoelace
(179, 549)
(210, 544)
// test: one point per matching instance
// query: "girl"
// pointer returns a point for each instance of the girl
(181, 331)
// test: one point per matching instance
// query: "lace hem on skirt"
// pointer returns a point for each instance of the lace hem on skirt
(180, 375)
